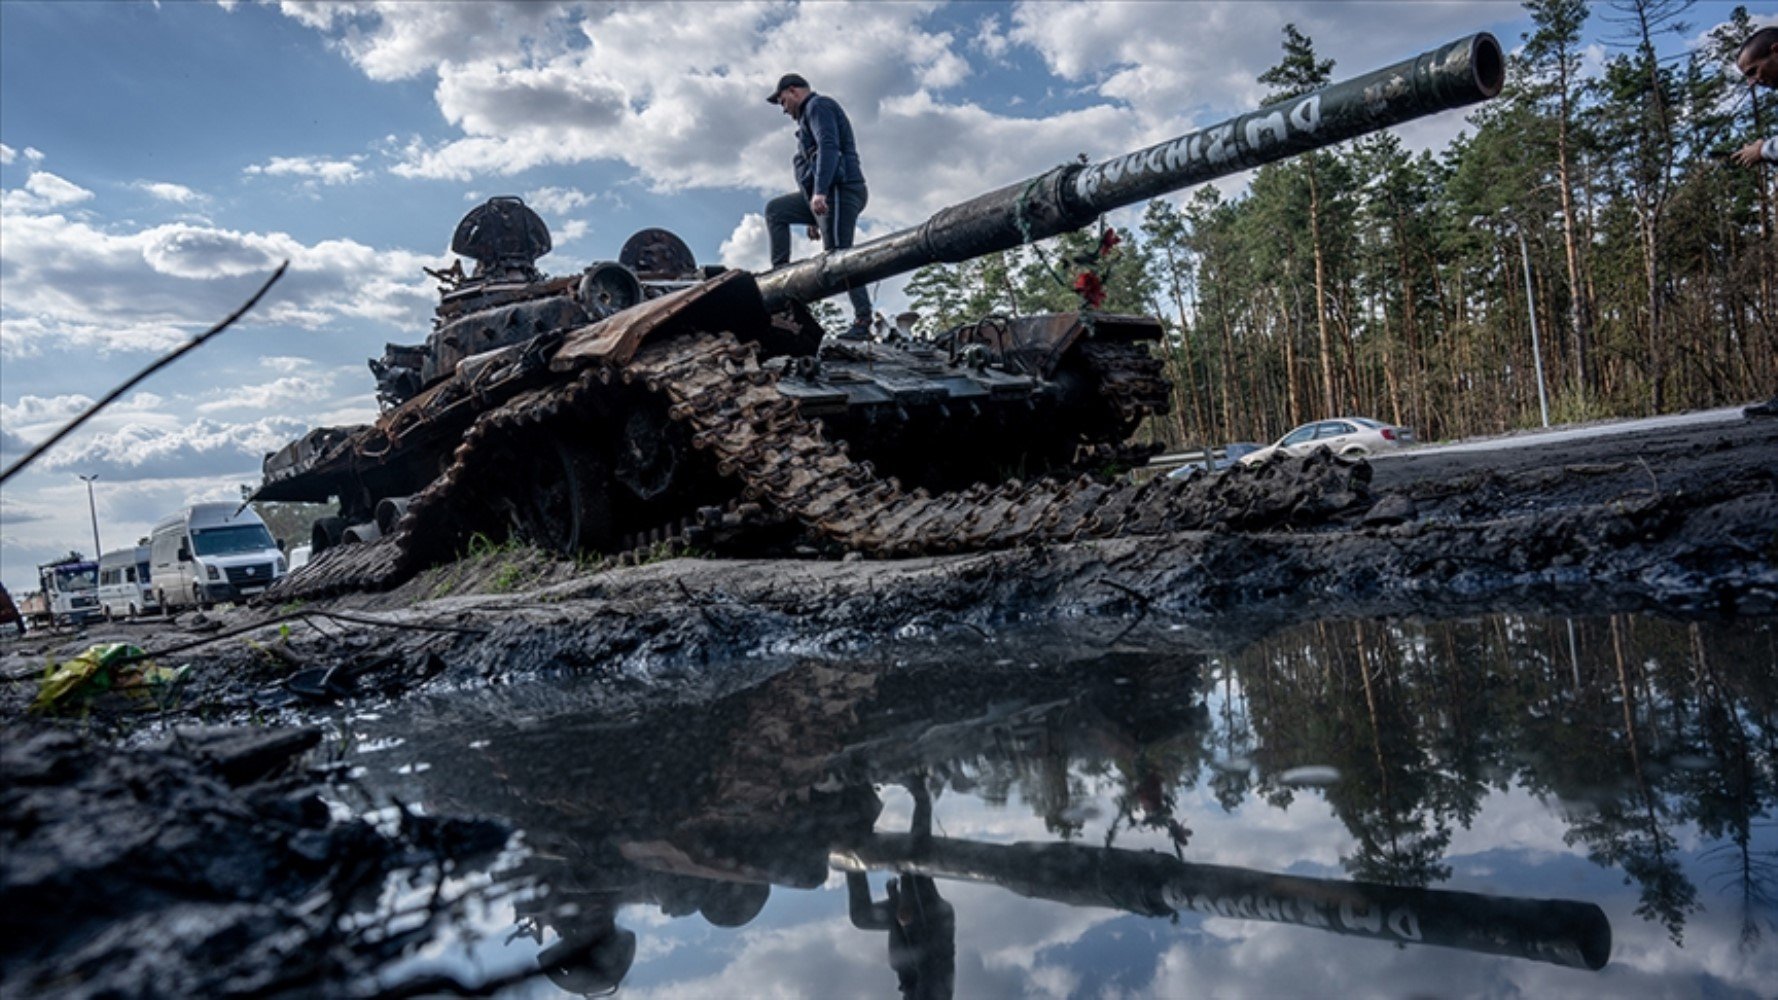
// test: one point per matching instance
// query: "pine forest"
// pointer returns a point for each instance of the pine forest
(1591, 212)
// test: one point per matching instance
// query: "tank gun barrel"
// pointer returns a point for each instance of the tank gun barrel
(1069, 197)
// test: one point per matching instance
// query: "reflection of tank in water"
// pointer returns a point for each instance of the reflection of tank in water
(1558, 931)
(777, 785)
(648, 397)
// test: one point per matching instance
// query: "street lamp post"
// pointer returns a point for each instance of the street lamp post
(93, 509)
(1543, 401)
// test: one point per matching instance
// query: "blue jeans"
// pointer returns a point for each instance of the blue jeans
(838, 227)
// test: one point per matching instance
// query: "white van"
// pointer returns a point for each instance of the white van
(212, 552)
(300, 556)
(124, 591)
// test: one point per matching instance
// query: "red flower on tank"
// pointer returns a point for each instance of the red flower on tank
(1090, 289)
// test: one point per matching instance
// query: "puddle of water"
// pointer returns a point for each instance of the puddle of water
(1498, 806)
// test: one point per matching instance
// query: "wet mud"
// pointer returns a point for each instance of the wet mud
(206, 866)
(123, 829)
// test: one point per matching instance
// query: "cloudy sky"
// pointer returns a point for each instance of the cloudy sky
(157, 161)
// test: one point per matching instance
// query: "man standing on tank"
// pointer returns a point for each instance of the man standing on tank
(1758, 62)
(831, 180)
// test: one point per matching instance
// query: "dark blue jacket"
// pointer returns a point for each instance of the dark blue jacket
(826, 155)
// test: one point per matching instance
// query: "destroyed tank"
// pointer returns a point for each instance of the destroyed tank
(650, 398)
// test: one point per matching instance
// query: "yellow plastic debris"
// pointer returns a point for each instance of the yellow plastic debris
(108, 666)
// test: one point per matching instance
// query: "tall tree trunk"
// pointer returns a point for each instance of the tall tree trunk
(1577, 311)
(1410, 326)
(1180, 361)
(1330, 401)
(1650, 273)
(1230, 418)
(1295, 406)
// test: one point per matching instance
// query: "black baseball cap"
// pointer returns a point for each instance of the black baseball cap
(787, 80)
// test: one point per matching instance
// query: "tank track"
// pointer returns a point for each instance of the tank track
(714, 384)
(1132, 378)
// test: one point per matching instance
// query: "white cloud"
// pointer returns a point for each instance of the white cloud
(558, 200)
(8, 155)
(570, 231)
(74, 286)
(607, 93)
(674, 91)
(32, 410)
(990, 38)
(179, 447)
(43, 191)
(201, 253)
(401, 41)
(266, 395)
(166, 191)
(746, 247)
(34, 336)
(315, 169)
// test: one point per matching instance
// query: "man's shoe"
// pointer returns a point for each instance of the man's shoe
(859, 330)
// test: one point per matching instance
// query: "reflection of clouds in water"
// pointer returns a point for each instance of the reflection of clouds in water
(1711, 936)
(1511, 820)
(1005, 937)
(825, 958)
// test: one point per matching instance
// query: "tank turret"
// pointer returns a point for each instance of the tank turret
(649, 399)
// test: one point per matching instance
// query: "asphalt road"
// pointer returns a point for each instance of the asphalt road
(1701, 420)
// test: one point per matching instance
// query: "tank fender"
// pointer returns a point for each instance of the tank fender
(730, 301)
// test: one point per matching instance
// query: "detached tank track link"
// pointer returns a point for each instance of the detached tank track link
(714, 384)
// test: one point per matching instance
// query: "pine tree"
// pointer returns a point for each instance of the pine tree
(1299, 72)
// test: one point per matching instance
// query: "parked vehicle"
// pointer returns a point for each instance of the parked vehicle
(124, 587)
(10, 615)
(70, 591)
(300, 556)
(1231, 453)
(212, 552)
(1347, 437)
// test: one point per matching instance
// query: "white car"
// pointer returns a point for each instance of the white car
(1347, 437)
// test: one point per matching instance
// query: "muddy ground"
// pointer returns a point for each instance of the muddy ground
(117, 790)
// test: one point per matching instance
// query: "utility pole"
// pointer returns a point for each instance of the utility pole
(93, 509)
(1543, 401)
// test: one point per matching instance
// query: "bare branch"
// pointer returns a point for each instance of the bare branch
(134, 380)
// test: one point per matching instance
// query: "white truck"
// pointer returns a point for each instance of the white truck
(70, 591)
(124, 587)
(209, 553)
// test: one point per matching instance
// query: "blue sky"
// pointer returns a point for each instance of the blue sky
(158, 159)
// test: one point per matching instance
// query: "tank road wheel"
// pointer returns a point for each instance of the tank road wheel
(326, 533)
(561, 499)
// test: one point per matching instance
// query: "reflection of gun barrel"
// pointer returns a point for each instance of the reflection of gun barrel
(1559, 931)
